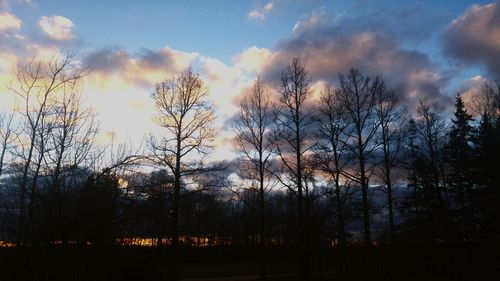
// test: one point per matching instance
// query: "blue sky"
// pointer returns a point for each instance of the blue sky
(424, 49)
(215, 28)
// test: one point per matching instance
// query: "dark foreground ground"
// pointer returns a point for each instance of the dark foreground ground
(403, 262)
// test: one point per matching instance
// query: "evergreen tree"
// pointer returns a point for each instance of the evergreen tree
(488, 162)
(461, 170)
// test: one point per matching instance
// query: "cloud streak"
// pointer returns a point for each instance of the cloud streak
(260, 13)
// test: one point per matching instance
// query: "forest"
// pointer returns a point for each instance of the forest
(346, 183)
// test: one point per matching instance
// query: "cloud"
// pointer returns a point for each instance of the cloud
(260, 13)
(9, 22)
(57, 28)
(310, 21)
(156, 59)
(252, 59)
(126, 81)
(106, 60)
(144, 68)
(8, 62)
(328, 50)
(10, 36)
(471, 92)
(147, 67)
(474, 37)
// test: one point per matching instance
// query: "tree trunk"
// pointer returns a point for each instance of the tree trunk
(340, 227)
(304, 250)
(262, 222)
(176, 205)
(388, 183)
(364, 190)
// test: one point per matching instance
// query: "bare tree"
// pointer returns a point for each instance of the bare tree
(431, 129)
(429, 200)
(292, 136)
(7, 136)
(40, 151)
(251, 127)
(332, 153)
(487, 103)
(358, 95)
(37, 85)
(392, 117)
(70, 140)
(187, 117)
(431, 132)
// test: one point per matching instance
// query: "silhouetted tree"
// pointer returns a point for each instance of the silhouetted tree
(358, 95)
(292, 135)
(427, 206)
(333, 155)
(7, 137)
(187, 116)
(459, 156)
(255, 149)
(159, 192)
(392, 118)
(97, 209)
(37, 85)
(487, 104)
(70, 140)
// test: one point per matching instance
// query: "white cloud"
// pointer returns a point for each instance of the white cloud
(252, 59)
(260, 13)
(58, 28)
(9, 21)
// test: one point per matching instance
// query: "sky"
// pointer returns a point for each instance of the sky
(424, 49)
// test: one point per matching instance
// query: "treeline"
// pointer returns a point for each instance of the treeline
(348, 166)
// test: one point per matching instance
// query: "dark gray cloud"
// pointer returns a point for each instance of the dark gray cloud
(107, 60)
(474, 37)
(136, 68)
(150, 59)
(329, 50)
(111, 59)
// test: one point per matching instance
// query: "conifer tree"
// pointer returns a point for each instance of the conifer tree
(459, 157)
